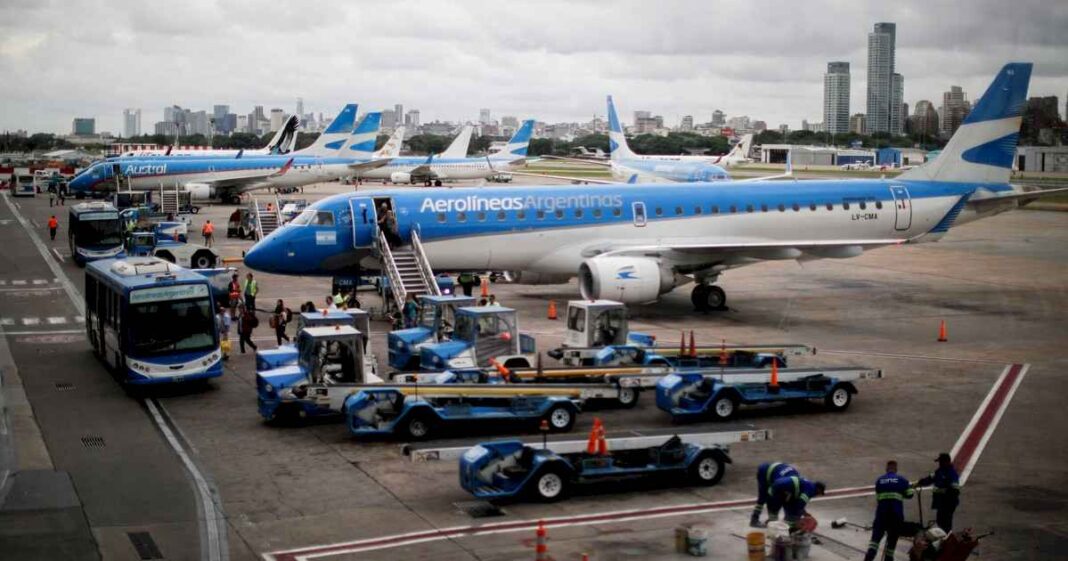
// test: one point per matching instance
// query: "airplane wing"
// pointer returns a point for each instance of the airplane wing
(605, 163)
(1025, 195)
(369, 165)
(578, 180)
(781, 248)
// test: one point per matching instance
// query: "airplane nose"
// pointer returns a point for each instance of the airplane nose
(263, 256)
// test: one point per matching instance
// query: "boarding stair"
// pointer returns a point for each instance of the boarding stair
(170, 201)
(408, 270)
(268, 217)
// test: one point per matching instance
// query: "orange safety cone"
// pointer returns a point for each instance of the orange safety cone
(602, 444)
(775, 373)
(591, 444)
(942, 337)
(723, 353)
(682, 344)
(552, 309)
(541, 545)
(585, 557)
(693, 346)
(485, 287)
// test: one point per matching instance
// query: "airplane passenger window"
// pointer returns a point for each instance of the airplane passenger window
(617, 212)
(863, 205)
(782, 207)
(441, 217)
(812, 206)
(749, 208)
(845, 205)
(521, 214)
(796, 207)
(763, 208)
(578, 213)
(541, 214)
(697, 210)
(659, 211)
(461, 217)
(500, 215)
(715, 209)
(559, 213)
(878, 204)
(678, 210)
(830, 206)
(481, 216)
(596, 213)
(734, 209)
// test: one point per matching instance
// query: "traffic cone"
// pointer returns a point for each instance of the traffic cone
(775, 373)
(693, 347)
(723, 353)
(585, 557)
(602, 444)
(541, 545)
(942, 337)
(485, 288)
(591, 444)
(682, 344)
(552, 309)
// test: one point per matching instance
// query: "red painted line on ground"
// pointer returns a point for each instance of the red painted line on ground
(981, 424)
(985, 418)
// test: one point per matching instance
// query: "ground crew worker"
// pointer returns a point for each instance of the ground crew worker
(891, 490)
(466, 281)
(767, 474)
(208, 231)
(793, 493)
(338, 300)
(53, 225)
(234, 289)
(250, 289)
(946, 491)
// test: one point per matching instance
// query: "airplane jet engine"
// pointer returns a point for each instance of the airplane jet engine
(631, 280)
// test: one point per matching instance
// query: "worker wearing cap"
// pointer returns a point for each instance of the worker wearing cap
(767, 473)
(793, 493)
(891, 490)
(946, 491)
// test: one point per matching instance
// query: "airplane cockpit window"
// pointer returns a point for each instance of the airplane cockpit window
(323, 218)
(304, 218)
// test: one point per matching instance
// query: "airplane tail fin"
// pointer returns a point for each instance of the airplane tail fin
(335, 135)
(617, 140)
(361, 144)
(518, 144)
(460, 144)
(744, 146)
(392, 147)
(983, 148)
(285, 139)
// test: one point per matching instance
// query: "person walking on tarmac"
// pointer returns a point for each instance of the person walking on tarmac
(51, 197)
(767, 473)
(891, 490)
(279, 320)
(946, 491)
(53, 225)
(234, 289)
(208, 231)
(250, 289)
(246, 322)
(410, 311)
(466, 281)
(794, 492)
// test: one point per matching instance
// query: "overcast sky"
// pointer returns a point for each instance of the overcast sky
(549, 60)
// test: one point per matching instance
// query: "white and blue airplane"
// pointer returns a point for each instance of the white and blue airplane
(339, 152)
(451, 164)
(283, 142)
(636, 242)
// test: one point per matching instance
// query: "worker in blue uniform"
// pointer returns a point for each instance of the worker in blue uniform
(794, 492)
(891, 490)
(766, 474)
(946, 491)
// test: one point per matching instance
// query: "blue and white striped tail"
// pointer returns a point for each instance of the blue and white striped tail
(364, 136)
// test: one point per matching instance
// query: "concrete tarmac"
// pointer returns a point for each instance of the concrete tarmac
(999, 284)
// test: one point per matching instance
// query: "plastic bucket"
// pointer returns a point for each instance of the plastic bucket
(756, 543)
(697, 542)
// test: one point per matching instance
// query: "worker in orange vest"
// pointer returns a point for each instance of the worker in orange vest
(208, 232)
(53, 225)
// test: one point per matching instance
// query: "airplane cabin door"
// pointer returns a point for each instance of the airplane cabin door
(902, 207)
(364, 222)
(639, 214)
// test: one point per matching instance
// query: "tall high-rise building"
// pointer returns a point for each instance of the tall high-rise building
(412, 119)
(718, 118)
(398, 114)
(836, 98)
(881, 45)
(640, 116)
(300, 108)
(687, 123)
(278, 118)
(83, 126)
(897, 104)
(389, 119)
(131, 123)
(857, 124)
(218, 115)
(510, 122)
(484, 116)
(955, 107)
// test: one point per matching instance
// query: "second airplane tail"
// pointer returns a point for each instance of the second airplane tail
(333, 138)
(617, 139)
(361, 144)
(519, 143)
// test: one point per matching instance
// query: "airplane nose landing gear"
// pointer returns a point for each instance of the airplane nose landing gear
(708, 297)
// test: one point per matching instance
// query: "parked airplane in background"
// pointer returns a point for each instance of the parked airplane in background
(392, 147)
(411, 169)
(228, 178)
(637, 242)
(738, 155)
(283, 142)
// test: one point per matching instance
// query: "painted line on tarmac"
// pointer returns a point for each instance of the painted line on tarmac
(966, 453)
(58, 256)
(971, 443)
(47, 332)
(917, 357)
(217, 548)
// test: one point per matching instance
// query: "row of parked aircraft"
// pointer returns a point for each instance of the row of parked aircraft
(637, 241)
(345, 149)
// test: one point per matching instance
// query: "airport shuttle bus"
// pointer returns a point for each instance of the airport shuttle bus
(150, 321)
(22, 185)
(94, 231)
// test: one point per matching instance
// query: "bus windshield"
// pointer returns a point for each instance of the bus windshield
(106, 231)
(171, 325)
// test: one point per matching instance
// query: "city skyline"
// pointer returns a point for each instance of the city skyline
(649, 60)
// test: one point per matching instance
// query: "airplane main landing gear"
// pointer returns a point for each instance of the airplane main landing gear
(708, 297)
